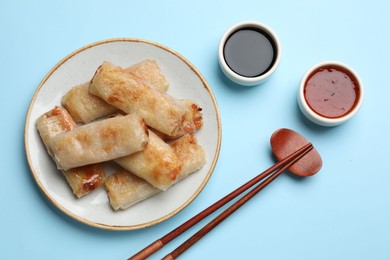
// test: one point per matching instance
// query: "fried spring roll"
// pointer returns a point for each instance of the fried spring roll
(190, 153)
(52, 123)
(150, 72)
(82, 180)
(85, 107)
(192, 122)
(99, 141)
(85, 179)
(125, 189)
(158, 164)
(194, 118)
(132, 95)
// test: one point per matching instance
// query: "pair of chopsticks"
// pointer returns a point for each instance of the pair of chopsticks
(268, 176)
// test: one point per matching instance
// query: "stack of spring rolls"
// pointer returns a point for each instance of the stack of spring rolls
(124, 116)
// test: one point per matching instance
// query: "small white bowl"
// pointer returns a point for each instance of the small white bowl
(316, 117)
(249, 80)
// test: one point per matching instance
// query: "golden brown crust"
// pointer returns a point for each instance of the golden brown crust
(85, 179)
(52, 123)
(157, 163)
(192, 122)
(82, 180)
(99, 141)
(85, 107)
(125, 189)
(190, 152)
(131, 95)
(150, 71)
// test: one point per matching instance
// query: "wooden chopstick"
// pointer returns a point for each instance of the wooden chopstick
(221, 217)
(159, 243)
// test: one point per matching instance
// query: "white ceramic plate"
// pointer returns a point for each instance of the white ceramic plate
(78, 67)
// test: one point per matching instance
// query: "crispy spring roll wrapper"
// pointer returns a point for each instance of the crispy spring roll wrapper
(52, 123)
(193, 121)
(190, 152)
(100, 141)
(158, 163)
(85, 179)
(85, 107)
(149, 71)
(126, 189)
(82, 180)
(133, 95)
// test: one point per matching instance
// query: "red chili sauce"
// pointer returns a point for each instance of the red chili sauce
(331, 91)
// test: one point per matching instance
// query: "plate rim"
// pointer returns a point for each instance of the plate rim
(136, 226)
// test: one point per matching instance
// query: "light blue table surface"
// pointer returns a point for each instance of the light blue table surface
(343, 212)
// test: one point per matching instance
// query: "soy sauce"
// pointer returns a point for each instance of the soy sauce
(249, 52)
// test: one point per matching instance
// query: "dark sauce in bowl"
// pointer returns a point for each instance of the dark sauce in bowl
(331, 91)
(250, 52)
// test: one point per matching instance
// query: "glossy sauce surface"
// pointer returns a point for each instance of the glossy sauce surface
(331, 91)
(249, 52)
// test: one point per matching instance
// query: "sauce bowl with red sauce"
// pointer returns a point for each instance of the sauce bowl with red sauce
(330, 93)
